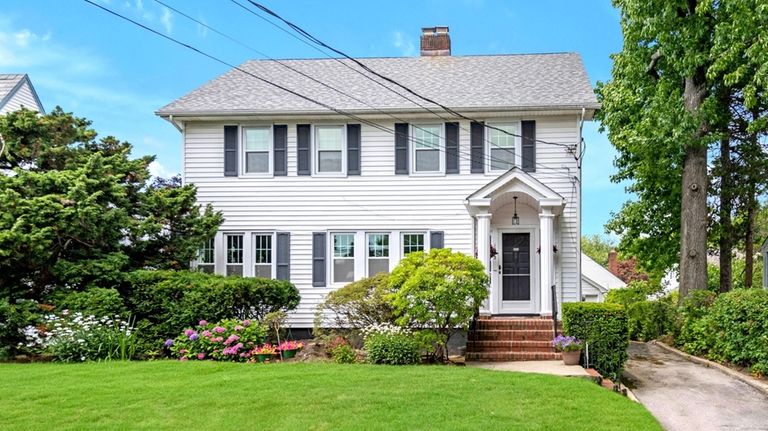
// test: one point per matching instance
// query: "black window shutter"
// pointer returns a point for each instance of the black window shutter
(230, 151)
(529, 146)
(436, 239)
(477, 147)
(451, 148)
(304, 152)
(280, 149)
(353, 149)
(318, 259)
(283, 261)
(401, 148)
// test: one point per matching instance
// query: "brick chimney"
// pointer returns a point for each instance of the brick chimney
(435, 41)
(613, 262)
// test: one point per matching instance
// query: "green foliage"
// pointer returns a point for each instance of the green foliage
(693, 336)
(13, 318)
(169, 301)
(227, 340)
(361, 303)
(440, 291)
(649, 320)
(739, 265)
(597, 247)
(635, 292)
(604, 328)
(95, 301)
(79, 212)
(344, 354)
(392, 348)
(77, 338)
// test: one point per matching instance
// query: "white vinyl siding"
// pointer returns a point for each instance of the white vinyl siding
(23, 98)
(330, 150)
(428, 148)
(257, 150)
(378, 253)
(375, 201)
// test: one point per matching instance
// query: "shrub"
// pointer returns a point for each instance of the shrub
(636, 291)
(440, 291)
(343, 354)
(227, 340)
(14, 317)
(649, 320)
(95, 301)
(360, 304)
(169, 301)
(693, 336)
(737, 323)
(604, 328)
(393, 348)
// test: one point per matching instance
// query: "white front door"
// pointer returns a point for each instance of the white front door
(517, 273)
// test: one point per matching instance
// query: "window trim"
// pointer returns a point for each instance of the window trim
(368, 251)
(272, 253)
(518, 146)
(197, 262)
(270, 152)
(331, 257)
(316, 151)
(440, 150)
(424, 233)
(242, 250)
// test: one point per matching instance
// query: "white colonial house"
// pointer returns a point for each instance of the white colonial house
(324, 196)
(16, 91)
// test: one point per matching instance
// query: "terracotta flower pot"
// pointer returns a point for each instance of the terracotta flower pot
(572, 357)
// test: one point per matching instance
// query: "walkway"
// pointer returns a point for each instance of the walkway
(556, 368)
(686, 396)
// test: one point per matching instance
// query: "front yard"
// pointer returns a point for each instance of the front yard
(208, 395)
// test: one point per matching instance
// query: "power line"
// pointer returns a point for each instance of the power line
(289, 67)
(365, 67)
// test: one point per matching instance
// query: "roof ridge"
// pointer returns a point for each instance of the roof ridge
(559, 53)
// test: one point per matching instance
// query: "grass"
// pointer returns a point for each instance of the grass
(293, 396)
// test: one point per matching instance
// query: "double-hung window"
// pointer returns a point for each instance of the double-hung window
(206, 257)
(262, 255)
(502, 142)
(329, 150)
(378, 253)
(257, 146)
(412, 242)
(234, 254)
(427, 144)
(343, 266)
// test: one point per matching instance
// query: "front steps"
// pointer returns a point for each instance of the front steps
(499, 339)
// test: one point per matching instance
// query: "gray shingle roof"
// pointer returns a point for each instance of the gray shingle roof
(479, 82)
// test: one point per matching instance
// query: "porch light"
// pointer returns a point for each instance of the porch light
(515, 218)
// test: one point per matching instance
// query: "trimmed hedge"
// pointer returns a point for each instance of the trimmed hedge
(649, 320)
(94, 301)
(604, 327)
(166, 302)
(392, 349)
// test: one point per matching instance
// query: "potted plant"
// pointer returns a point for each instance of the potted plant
(570, 347)
(289, 348)
(264, 352)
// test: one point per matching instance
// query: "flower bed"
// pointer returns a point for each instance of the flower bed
(228, 340)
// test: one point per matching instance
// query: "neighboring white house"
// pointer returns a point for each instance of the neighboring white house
(16, 91)
(324, 198)
(596, 280)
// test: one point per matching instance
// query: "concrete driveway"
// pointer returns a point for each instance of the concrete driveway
(687, 396)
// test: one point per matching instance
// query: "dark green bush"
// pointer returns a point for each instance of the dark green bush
(360, 304)
(94, 301)
(649, 320)
(166, 302)
(604, 327)
(13, 318)
(693, 336)
(392, 349)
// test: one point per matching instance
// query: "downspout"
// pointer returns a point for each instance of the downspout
(581, 211)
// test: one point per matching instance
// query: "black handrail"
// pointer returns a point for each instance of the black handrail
(554, 308)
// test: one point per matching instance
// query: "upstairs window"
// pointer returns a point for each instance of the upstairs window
(378, 253)
(412, 242)
(257, 145)
(343, 266)
(206, 256)
(262, 256)
(502, 146)
(329, 149)
(427, 143)
(234, 254)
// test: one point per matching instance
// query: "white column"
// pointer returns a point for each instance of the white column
(484, 254)
(546, 220)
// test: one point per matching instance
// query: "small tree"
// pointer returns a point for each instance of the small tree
(438, 291)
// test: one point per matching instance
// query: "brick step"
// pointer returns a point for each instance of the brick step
(511, 335)
(512, 356)
(509, 346)
(540, 324)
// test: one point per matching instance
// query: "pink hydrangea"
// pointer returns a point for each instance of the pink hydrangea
(189, 332)
(207, 333)
(231, 339)
(201, 356)
(246, 323)
(219, 329)
(202, 323)
(238, 328)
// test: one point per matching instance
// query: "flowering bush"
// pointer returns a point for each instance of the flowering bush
(383, 328)
(290, 345)
(75, 337)
(565, 343)
(228, 340)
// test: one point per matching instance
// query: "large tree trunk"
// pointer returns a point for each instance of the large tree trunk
(749, 239)
(693, 214)
(726, 224)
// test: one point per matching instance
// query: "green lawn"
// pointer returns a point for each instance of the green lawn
(293, 396)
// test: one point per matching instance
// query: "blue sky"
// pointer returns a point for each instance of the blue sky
(117, 75)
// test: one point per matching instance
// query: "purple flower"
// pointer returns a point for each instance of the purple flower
(246, 323)
(218, 329)
(189, 332)
(194, 336)
(168, 342)
(201, 356)
(202, 322)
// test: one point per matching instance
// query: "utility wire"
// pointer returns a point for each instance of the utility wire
(468, 156)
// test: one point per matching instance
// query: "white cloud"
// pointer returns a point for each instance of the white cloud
(403, 43)
(167, 20)
(158, 170)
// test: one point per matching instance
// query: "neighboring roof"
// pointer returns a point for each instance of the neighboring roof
(482, 82)
(10, 84)
(598, 276)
